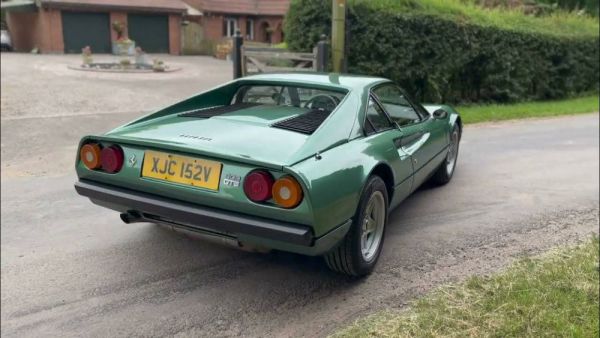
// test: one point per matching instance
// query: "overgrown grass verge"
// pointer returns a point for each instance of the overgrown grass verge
(555, 295)
(498, 112)
(560, 23)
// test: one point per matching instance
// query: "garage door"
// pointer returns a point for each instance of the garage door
(150, 32)
(86, 29)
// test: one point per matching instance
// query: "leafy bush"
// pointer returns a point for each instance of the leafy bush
(452, 54)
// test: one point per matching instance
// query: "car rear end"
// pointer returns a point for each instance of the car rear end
(222, 163)
(201, 192)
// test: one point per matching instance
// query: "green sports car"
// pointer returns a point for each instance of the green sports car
(302, 162)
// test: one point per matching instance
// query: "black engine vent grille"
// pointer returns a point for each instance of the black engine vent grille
(219, 110)
(306, 123)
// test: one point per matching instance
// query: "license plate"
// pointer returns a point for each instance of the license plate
(182, 169)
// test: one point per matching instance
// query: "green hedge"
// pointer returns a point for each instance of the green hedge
(441, 60)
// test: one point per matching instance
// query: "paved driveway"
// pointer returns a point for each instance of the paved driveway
(69, 268)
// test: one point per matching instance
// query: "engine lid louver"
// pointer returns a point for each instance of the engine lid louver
(306, 123)
(218, 110)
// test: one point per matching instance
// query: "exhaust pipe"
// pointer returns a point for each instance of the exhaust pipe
(131, 217)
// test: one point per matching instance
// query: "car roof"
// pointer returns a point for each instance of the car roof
(348, 81)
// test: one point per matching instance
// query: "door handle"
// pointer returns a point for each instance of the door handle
(405, 140)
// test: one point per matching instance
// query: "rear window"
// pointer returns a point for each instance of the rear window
(301, 97)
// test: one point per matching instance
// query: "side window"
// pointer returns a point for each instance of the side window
(396, 104)
(376, 119)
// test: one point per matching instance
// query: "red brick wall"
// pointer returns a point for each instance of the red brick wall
(42, 29)
(23, 28)
(120, 17)
(175, 34)
(213, 27)
(51, 34)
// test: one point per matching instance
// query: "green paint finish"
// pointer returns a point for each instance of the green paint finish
(332, 165)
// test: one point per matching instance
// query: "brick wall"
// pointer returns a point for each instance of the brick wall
(122, 18)
(23, 29)
(51, 34)
(175, 34)
(42, 29)
(213, 27)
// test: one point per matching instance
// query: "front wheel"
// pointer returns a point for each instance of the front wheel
(358, 252)
(445, 171)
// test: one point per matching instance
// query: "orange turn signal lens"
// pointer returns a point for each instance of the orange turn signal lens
(287, 192)
(90, 155)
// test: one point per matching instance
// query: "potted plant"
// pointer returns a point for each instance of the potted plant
(86, 54)
(123, 45)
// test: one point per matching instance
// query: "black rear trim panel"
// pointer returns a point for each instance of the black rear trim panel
(305, 123)
(204, 218)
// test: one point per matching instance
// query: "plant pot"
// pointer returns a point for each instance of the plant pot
(123, 47)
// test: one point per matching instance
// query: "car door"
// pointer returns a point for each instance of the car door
(421, 137)
(382, 133)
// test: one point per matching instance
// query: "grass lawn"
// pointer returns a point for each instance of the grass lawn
(555, 295)
(495, 112)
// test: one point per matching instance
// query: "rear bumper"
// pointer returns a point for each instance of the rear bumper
(245, 228)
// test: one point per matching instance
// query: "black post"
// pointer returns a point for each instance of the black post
(322, 54)
(238, 41)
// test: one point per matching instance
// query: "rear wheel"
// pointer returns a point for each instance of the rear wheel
(358, 252)
(444, 173)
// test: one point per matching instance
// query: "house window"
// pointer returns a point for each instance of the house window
(230, 25)
(250, 29)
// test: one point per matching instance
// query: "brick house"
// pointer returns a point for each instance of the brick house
(66, 26)
(257, 20)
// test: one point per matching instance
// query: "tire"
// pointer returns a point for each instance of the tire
(349, 257)
(444, 172)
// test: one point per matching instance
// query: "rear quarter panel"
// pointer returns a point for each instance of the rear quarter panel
(335, 182)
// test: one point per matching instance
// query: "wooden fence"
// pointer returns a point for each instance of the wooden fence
(268, 60)
(250, 59)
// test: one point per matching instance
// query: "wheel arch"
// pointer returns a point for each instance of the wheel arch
(384, 171)
(460, 125)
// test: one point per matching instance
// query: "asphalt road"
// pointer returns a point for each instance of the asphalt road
(70, 268)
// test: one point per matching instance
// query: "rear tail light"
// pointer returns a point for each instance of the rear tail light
(258, 185)
(287, 192)
(90, 155)
(112, 159)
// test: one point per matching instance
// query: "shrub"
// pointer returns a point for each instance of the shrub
(454, 58)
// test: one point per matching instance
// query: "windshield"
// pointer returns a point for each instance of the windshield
(302, 97)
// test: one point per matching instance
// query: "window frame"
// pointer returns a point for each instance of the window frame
(366, 120)
(419, 110)
(227, 21)
(235, 99)
(250, 28)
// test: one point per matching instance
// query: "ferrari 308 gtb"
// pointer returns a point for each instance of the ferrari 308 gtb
(306, 163)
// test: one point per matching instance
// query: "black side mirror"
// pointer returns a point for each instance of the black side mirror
(440, 114)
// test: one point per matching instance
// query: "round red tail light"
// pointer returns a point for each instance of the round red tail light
(112, 159)
(258, 185)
